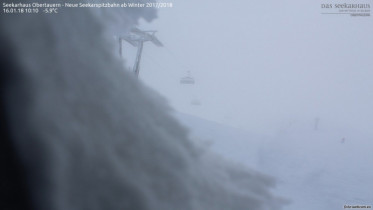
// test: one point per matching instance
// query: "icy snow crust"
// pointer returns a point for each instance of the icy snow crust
(93, 137)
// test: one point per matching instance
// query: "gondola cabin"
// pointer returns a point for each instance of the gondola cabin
(187, 80)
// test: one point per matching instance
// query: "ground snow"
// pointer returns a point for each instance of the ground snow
(315, 169)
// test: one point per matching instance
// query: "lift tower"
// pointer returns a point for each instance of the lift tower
(136, 38)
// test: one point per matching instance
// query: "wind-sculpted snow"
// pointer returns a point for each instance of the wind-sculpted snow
(88, 135)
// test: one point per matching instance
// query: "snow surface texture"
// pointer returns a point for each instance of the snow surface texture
(324, 168)
(90, 136)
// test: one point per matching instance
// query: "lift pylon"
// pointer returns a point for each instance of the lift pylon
(136, 38)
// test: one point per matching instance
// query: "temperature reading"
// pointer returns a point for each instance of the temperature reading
(50, 10)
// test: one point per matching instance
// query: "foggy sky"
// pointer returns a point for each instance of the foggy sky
(260, 65)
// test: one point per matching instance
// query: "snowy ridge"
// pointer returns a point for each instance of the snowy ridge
(90, 136)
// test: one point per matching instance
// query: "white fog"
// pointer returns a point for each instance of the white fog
(276, 112)
(297, 83)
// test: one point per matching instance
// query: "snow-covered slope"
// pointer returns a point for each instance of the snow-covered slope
(321, 169)
(88, 135)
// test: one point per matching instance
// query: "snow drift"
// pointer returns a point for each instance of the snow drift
(79, 132)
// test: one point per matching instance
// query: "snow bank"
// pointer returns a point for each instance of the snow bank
(88, 135)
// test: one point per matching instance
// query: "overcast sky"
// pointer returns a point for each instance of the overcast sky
(263, 64)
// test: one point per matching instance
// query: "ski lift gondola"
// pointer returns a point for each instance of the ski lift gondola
(187, 79)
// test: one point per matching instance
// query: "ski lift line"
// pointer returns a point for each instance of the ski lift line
(183, 65)
(137, 38)
(175, 58)
(148, 56)
(186, 80)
